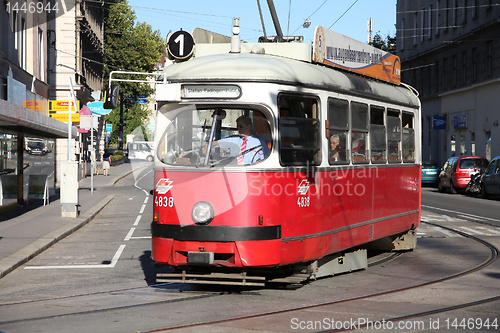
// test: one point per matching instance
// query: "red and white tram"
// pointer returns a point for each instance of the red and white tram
(331, 163)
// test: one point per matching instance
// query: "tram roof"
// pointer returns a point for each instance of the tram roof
(249, 67)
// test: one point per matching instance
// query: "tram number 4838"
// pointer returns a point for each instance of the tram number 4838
(164, 201)
(304, 202)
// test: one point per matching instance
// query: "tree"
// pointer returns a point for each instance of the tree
(388, 44)
(134, 47)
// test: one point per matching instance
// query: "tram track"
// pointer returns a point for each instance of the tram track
(493, 257)
(96, 311)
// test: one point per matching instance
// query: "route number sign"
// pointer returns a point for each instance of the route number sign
(180, 45)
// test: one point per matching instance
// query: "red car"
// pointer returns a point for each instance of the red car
(457, 171)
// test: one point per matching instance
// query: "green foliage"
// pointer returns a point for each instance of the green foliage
(134, 47)
(388, 44)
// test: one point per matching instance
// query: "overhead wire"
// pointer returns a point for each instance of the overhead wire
(343, 14)
(311, 15)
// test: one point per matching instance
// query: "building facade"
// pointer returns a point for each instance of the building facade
(450, 52)
(42, 44)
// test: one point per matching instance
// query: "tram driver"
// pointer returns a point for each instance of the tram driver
(245, 141)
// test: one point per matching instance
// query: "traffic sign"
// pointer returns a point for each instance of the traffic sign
(109, 127)
(97, 108)
(61, 116)
(62, 106)
(180, 45)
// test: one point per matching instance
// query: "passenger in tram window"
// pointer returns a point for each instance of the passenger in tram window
(337, 148)
(245, 141)
(358, 146)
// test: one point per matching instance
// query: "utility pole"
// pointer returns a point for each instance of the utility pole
(121, 124)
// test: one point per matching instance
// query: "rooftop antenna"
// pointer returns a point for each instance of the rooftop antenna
(369, 26)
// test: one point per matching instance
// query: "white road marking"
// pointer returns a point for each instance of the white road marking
(129, 235)
(110, 265)
(137, 219)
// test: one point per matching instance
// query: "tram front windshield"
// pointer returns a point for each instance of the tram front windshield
(216, 136)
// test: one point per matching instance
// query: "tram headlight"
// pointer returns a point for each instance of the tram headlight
(202, 213)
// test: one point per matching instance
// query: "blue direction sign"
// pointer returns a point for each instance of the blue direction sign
(439, 122)
(109, 127)
(97, 108)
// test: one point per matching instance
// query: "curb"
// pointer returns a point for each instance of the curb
(22, 256)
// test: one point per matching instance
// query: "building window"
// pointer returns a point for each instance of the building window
(464, 11)
(489, 58)
(445, 73)
(438, 16)
(455, 13)
(436, 76)
(415, 28)
(454, 72)
(422, 25)
(446, 15)
(41, 58)
(464, 68)
(474, 65)
(403, 33)
(474, 9)
(431, 11)
(22, 49)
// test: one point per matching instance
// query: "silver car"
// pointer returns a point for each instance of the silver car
(490, 182)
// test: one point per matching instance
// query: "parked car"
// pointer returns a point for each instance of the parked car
(430, 173)
(457, 171)
(36, 148)
(490, 182)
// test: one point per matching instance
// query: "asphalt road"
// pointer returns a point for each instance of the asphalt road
(101, 279)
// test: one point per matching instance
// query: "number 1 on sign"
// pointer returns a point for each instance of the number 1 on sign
(180, 40)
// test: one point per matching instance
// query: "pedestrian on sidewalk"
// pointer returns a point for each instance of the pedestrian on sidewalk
(105, 164)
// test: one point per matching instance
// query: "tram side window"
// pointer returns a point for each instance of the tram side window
(377, 134)
(408, 138)
(299, 130)
(359, 126)
(337, 130)
(393, 135)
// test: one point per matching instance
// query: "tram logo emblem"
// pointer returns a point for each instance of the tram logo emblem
(303, 187)
(163, 186)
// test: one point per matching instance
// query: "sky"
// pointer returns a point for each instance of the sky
(347, 17)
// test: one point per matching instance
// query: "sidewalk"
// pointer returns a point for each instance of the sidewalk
(29, 230)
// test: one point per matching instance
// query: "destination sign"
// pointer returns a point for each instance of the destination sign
(210, 91)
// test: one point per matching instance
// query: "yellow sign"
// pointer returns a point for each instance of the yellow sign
(63, 106)
(39, 106)
(61, 116)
